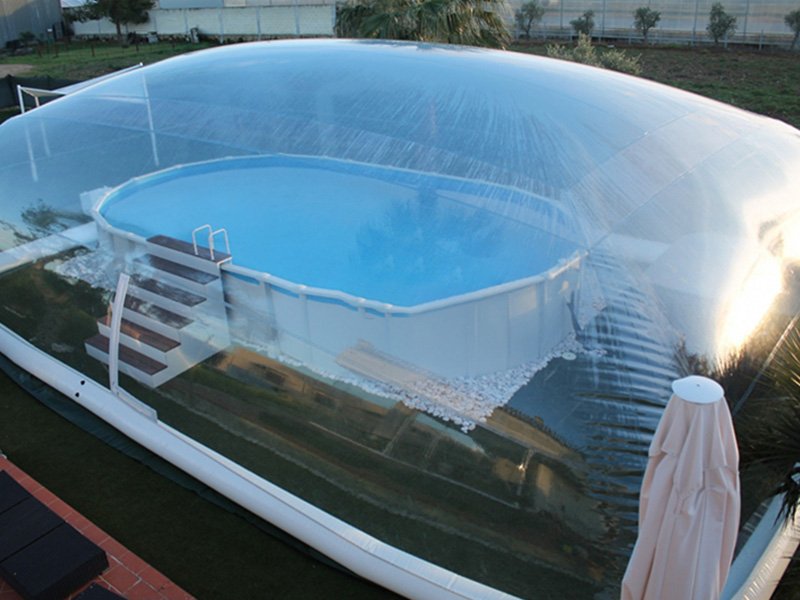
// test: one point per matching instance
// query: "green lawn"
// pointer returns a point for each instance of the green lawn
(84, 60)
(765, 82)
(210, 552)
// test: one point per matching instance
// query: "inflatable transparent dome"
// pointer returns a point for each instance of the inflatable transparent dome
(420, 306)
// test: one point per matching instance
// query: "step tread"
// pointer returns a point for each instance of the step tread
(142, 334)
(177, 269)
(128, 355)
(188, 248)
(170, 292)
(152, 311)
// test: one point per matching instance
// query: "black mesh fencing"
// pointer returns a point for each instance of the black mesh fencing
(9, 83)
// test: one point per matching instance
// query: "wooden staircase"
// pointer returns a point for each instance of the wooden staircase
(174, 313)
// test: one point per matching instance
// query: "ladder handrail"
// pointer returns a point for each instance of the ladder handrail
(211, 234)
(194, 238)
(211, 241)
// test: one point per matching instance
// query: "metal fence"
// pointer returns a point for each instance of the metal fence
(682, 21)
(298, 18)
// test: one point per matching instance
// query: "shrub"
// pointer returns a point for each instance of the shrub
(587, 54)
(26, 37)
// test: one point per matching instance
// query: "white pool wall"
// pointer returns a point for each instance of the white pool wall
(489, 330)
(481, 332)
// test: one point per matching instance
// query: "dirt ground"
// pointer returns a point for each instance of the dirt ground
(14, 69)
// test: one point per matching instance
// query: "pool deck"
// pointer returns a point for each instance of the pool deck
(127, 575)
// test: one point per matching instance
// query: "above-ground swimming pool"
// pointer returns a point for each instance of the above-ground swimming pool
(340, 250)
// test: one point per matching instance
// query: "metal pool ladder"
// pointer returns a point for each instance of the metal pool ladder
(211, 234)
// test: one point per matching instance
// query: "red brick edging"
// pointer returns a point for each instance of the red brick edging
(127, 574)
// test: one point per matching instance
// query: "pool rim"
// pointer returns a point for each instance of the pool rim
(352, 301)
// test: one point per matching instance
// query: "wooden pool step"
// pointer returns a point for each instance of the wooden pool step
(170, 292)
(188, 248)
(183, 253)
(156, 313)
(127, 355)
(141, 334)
(182, 271)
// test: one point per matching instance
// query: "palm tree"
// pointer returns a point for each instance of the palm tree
(771, 441)
(467, 22)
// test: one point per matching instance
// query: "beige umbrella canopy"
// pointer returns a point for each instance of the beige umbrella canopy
(689, 504)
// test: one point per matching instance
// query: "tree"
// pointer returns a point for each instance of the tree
(720, 23)
(467, 22)
(792, 21)
(644, 19)
(528, 15)
(584, 24)
(119, 12)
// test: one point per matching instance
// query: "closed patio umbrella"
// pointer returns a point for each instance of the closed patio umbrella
(689, 503)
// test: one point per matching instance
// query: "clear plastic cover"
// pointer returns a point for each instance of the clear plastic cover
(439, 292)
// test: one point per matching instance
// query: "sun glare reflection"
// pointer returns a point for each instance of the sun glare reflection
(791, 239)
(751, 302)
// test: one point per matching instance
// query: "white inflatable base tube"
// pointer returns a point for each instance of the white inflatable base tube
(363, 554)
(762, 561)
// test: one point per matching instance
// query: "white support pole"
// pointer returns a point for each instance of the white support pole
(113, 340)
(603, 23)
(744, 29)
(31, 158)
(153, 143)
(21, 99)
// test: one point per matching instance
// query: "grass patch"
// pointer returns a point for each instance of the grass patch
(767, 83)
(84, 59)
(764, 82)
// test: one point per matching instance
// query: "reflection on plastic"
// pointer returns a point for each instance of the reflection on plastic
(749, 305)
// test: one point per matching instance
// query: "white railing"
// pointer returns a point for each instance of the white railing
(211, 234)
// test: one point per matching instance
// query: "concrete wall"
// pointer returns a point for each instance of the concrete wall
(759, 21)
(251, 21)
(37, 16)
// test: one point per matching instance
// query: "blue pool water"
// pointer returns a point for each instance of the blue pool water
(390, 235)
